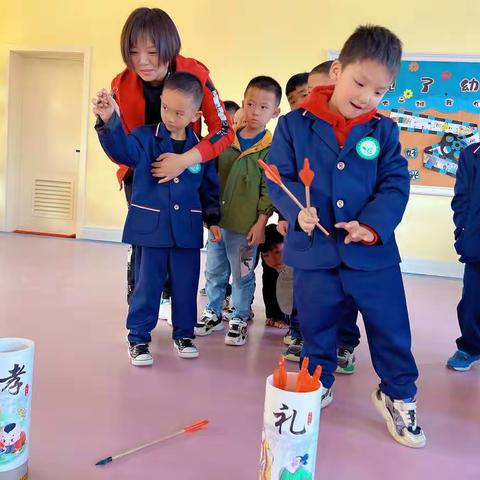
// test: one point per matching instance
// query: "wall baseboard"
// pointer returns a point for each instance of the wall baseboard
(435, 268)
(100, 234)
(418, 266)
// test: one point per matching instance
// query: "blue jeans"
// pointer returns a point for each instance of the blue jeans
(231, 255)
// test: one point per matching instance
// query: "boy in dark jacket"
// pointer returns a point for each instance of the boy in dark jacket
(466, 216)
(164, 219)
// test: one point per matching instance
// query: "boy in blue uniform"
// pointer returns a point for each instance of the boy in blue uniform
(359, 192)
(466, 216)
(164, 219)
(348, 333)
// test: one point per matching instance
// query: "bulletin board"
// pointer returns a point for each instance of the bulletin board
(435, 100)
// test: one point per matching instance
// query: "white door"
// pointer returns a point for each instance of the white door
(49, 137)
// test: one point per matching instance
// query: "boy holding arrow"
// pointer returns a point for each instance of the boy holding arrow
(359, 193)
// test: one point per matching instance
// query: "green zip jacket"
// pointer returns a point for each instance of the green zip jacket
(244, 194)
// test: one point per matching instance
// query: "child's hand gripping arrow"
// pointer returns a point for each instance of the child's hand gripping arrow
(306, 175)
(272, 173)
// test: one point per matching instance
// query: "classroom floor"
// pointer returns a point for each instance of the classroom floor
(68, 296)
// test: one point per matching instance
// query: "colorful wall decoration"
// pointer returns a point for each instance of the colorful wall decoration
(435, 101)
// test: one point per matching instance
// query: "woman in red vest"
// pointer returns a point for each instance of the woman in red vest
(150, 46)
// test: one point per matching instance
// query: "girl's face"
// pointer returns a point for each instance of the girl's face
(144, 56)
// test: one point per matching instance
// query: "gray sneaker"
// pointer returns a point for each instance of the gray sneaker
(401, 418)
(294, 350)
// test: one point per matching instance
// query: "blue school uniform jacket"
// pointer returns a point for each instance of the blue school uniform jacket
(466, 205)
(168, 214)
(367, 180)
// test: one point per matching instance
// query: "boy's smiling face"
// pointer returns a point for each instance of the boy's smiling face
(359, 87)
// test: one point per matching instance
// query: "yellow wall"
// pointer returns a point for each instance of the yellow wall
(238, 40)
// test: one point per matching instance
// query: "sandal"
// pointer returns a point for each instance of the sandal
(272, 322)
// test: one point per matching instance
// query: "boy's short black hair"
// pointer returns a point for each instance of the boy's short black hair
(269, 84)
(231, 106)
(272, 237)
(296, 81)
(323, 67)
(373, 42)
(186, 83)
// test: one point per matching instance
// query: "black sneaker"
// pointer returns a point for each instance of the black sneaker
(294, 350)
(140, 355)
(185, 348)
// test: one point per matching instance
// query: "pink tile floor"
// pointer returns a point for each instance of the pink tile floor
(68, 296)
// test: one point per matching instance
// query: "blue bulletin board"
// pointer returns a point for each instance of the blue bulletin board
(435, 101)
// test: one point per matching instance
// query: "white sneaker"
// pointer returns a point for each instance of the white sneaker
(185, 348)
(287, 338)
(208, 324)
(401, 418)
(165, 311)
(327, 397)
(140, 355)
(237, 332)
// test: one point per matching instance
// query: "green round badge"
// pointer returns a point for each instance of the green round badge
(368, 148)
(195, 168)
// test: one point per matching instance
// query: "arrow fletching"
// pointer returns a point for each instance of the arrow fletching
(306, 174)
(271, 171)
(196, 426)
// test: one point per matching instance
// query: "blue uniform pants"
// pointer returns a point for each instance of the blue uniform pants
(348, 333)
(183, 265)
(320, 296)
(469, 311)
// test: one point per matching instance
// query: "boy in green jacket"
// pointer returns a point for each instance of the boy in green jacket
(245, 208)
